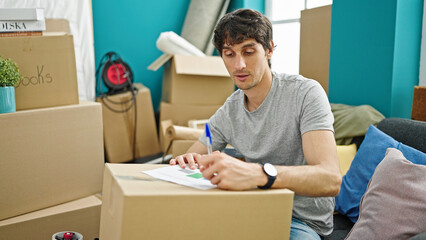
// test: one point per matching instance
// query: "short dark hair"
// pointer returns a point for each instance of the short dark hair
(242, 24)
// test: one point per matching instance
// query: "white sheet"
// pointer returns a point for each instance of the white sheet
(185, 177)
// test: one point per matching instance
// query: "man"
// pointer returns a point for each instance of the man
(282, 121)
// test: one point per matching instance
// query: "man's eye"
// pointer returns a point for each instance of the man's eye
(249, 52)
(228, 54)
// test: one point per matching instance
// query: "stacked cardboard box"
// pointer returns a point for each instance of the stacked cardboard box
(81, 215)
(119, 125)
(193, 88)
(52, 147)
(47, 64)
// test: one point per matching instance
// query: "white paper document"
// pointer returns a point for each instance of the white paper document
(182, 176)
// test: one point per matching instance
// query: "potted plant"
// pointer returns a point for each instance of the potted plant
(9, 77)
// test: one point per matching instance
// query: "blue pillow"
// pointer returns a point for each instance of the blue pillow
(369, 155)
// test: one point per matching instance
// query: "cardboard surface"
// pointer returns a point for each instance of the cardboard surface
(180, 114)
(180, 147)
(57, 25)
(418, 111)
(196, 80)
(136, 206)
(119, 127)
(48, 67)
(49, 156)
(82, 216)
(164, 140)
(175, 132)
(315, 25)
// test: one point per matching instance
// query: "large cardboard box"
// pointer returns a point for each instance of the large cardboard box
(315, 28)
(82, 216)
(48, 66)
(49, 156)
(135, 206)
(119, 126)
(196, 80)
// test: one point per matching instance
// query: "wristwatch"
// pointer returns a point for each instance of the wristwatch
(271, 173)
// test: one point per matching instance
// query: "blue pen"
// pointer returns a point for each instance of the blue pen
(209, 139)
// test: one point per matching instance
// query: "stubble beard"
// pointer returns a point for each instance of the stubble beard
(245, 87)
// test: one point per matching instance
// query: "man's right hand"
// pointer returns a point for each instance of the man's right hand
(190, 158)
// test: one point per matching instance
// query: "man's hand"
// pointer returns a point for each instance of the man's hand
(230, 173)
(190, 158)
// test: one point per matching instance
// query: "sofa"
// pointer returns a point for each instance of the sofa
(391, 200)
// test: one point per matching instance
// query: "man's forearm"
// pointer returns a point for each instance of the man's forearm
(308, 180)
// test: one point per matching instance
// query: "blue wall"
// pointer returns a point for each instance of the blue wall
(131, 28)
(375, 53)
(258, 5)
(406, 56)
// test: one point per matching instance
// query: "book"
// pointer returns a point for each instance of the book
(20, 34)
(21, 26)
(8, 14)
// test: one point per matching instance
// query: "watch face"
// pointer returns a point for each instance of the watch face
(270, 169)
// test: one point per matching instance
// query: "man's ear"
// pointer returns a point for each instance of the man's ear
(270, 50)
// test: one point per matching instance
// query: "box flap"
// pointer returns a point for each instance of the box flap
(195, 65)
(159, 62)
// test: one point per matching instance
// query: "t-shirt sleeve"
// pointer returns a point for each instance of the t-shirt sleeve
(315, 108)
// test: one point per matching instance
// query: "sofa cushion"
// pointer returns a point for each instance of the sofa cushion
(369, 155)
(345, 154)
(407, 131)
(394, 205)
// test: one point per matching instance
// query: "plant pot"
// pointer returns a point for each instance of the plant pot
(7, 100)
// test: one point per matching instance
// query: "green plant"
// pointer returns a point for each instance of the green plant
(9, 73)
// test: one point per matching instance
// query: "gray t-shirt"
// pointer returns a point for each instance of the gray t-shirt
(273, 133)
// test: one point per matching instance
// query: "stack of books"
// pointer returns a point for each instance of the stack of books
(16, 22)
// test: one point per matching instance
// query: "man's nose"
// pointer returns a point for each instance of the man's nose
(240, 62)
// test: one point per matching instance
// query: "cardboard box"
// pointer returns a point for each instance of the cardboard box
(119, 126)
(49, 156)
(135, 206)
(180, 147)
(315, 25)
(57, 25)
(171, 133)
(82, 216)
(164, 140)
(196, 80)
(48, 66)
(180, 114)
